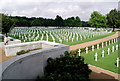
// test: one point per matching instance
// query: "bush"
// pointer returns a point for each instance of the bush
(22, 52)
(66, 68)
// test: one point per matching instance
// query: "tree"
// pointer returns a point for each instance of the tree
(113, 19)
(97, 20)
(77, 22)
(7, 24)
(85, 24)
(59, 21)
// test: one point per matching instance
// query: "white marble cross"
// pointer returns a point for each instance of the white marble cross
(93, 48)
(97, 46)
(117, 62)
(109, 42)
(113, 48)
(86, 49)
(72, 39)
(106, 43)
(79, 51)
(96, 56)
(116, 46)
(112, 41)
(102, 44)
(103, 53)
(108, 51)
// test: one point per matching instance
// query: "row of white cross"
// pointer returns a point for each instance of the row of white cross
(103, 52)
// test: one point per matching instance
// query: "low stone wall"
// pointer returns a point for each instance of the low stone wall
(11, 50)
(30, 65)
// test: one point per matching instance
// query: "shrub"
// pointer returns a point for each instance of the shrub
(22, 52)
(66, 68)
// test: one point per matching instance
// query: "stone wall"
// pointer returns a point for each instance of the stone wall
(30, 65)
(11, 50)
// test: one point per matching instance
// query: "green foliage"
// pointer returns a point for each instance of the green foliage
(22, 52)
(58, 21)
(113, 19)
(73, 22)
(7, 24)
(66, 68)
(97, 20)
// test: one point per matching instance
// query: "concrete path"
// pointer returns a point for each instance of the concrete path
(100, 74)
(86, 44)
(3, 57)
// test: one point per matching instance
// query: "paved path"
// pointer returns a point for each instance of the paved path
(86, 44)
(100, 74)
(3, 57)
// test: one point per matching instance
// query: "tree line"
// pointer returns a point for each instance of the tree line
(58, 21)
(97, 20)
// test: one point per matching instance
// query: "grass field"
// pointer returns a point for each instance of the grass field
(108, 62)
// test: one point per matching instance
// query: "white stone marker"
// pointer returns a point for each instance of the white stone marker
(113, 48)
(103, 55)
(79, 52)
(72, 39)
(117, 62)
(102, 44)
(93, 48)
(86, 49)
(108, 51)
(97, 46)
(116, 46)
(109, 42)
(106, 43)
(96, 56)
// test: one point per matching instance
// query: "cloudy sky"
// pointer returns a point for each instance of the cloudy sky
(51, 8)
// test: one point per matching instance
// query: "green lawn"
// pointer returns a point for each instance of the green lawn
(108, 62)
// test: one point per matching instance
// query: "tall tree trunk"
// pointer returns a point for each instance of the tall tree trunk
(6, 34)
(113, 28)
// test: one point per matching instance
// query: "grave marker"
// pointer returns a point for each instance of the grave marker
(79, 52)
(96, 56)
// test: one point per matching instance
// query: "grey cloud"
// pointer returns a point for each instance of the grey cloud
(65, 9)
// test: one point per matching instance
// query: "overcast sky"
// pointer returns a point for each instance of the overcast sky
(51, 8)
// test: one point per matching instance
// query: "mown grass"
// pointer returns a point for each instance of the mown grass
(108, 62)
